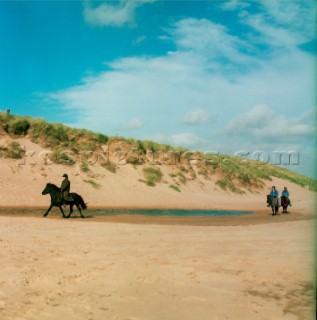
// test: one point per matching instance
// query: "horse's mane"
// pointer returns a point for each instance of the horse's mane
(53, 186)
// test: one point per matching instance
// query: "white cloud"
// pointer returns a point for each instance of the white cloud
(187, 140)
(233, 5)
(263, 124)
(184, 139)
(132, 124)
(160, 89)
(196, 116)
(282, 24)
(139, 40)
(296, 16)
(211, 41)
(117, 15)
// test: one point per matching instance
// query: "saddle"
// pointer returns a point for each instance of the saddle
(67, 197)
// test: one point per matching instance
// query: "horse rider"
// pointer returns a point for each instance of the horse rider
(285, 193)
(65, 188)
(273, 193)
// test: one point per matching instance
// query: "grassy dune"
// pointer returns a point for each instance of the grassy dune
(70, 146)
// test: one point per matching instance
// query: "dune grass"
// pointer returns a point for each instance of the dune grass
(12, 150)
(84, 166)
(174, 187)
(65, 142)
(152, 175)
(93, 183)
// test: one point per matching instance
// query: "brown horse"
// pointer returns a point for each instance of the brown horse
(285, 203)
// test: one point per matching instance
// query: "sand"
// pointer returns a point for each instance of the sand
(247, 267)
(81, 269)
(252, 267)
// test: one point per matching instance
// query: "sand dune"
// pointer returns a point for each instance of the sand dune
(22, 182)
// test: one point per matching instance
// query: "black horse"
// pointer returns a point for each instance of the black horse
(57, 201)
(273, 203)
(285, 203)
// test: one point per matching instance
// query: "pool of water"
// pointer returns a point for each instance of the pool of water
(90, 213)
(168, 213)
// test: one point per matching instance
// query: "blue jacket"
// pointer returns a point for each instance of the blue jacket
(274, 193)
(285, 193)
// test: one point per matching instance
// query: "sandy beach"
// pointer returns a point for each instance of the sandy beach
(250, 267)
(82, 269)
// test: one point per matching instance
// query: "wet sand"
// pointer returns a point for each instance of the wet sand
(94, 214)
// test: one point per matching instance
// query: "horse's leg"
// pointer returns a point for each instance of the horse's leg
(70, 210)
(285, 207)
(273, 208)
(78, 207)
(61, 210)
(48, 210)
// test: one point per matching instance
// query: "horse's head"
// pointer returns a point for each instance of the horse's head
(51, 188)
(47, 189)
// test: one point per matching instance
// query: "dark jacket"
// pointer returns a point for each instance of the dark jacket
(65, 188)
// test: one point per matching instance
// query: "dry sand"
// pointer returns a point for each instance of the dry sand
(82, 269)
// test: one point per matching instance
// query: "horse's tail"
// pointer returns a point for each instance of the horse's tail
(82, 202)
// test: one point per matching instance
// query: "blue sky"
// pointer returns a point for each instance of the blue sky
(221, 76)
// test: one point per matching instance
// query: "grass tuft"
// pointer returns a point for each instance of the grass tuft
(84, 167)
(174, 187)
(152, 175)
(93, 183)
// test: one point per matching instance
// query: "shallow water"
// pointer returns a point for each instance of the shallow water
(168, 212)
(129, 212)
